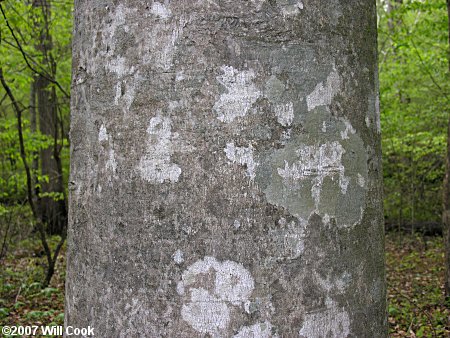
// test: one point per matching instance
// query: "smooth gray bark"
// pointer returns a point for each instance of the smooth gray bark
(225, 176)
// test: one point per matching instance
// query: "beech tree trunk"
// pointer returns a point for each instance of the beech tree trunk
(225, 170)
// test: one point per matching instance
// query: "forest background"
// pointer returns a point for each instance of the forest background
(35, 74)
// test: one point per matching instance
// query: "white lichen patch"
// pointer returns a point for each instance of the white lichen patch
(165, 48)
(324, 92)
(205, 313)
(294, 240)
(335, 284)
(258, 3)
(125, 92)
(348, 129)
(128, 97)
(178, 257)
(361, 181)
(316, 163)
(118, 93)
(293, 235)
(233, 283)
(108, 148)
(119, 67)
(236, 224)
(241, 93)
(113, 61)
(259, 330)
(285, 136)
(111, 163)
(289, 7)
(207, 306)
(160, 10)
(102, 134)
(285, 113)
(333, 321)
(361, 215)
(242, 156)
(156, 166)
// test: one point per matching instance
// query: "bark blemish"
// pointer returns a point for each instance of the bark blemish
(102, 134)
(108, 147)
(294, 234)
(260, 330)
(242, 156)
(111, 163)
(326, 176)
(178, 257)
(324, 92)
(290, 7)
(285, 113)
(241, 93)
(315, 163)
(348, 129)
(333, 322)
(206, 305)
(156, 166)
(160, 10)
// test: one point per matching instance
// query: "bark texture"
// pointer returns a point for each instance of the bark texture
(225, 176)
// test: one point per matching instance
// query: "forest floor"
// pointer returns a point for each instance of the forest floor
(415, 267)
(415, 276)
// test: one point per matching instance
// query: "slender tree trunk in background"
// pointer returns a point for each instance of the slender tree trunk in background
(392, 5)
(225, 170)
(446, 188)
(53, 212)
(33, 127)
(446, 215)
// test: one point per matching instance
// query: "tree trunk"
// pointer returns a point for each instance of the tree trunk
(54, 213)
(225, 170)
(446, 216)
(446, 189)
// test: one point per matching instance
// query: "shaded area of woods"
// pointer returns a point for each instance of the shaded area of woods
(414, 95)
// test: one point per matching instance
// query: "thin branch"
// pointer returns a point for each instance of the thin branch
(40, 226)
(428, 71)
(46, 76)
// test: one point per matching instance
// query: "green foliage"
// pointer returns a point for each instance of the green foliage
(12, 173)
(35, 43)
(4, 312)
(414, 93)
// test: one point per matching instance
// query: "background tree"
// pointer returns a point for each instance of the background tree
(52, 202)
(32, 141)
(446, 188)
(225, 170)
